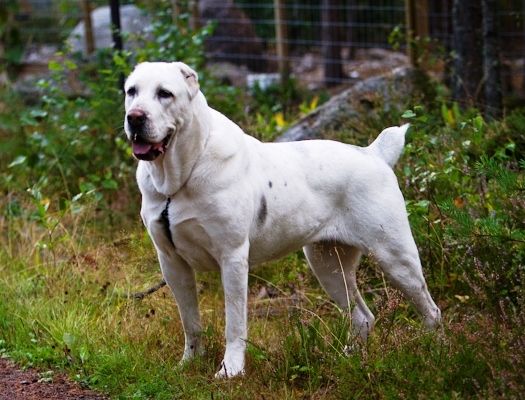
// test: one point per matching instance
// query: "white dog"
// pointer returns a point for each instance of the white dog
(216, 199)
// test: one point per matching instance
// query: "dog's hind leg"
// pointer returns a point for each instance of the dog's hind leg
(335, 264)
(389, 239)
(398, 257)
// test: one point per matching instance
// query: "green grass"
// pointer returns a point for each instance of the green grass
(67, 310)
(72, 247)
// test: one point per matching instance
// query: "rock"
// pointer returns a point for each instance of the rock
(263, 81)
(228, 73)
(384, 91)
(234, 39)
(132, 20)
(39, 54)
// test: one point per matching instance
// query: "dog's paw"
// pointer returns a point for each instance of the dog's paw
(433, 319)
(229, 370)
(192, 349)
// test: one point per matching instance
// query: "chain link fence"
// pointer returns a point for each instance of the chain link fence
(322, 42)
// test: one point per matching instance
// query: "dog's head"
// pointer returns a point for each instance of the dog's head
(158, 100)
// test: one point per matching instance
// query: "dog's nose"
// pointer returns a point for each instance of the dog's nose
(136, 118)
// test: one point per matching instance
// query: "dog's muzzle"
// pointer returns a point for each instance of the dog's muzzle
(147, 151)
(143, 149)
(136, 121)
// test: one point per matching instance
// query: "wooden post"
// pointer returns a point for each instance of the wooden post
(422, 18)
(175, 10)
(194, 22)
(417, 25)
(281, 39)
(88, 27)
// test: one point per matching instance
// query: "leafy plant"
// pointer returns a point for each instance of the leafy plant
(10, 37)
(465, 181)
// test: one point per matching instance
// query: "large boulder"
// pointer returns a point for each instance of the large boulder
(384, 92)
(132, 20)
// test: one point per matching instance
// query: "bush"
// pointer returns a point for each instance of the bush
(464, 181)
(71, 144)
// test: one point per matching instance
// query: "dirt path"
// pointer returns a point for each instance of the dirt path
(16, 384)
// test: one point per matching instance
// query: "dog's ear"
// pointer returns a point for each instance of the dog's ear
(191, 78)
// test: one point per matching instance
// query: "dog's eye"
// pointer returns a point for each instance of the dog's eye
(164, 94)
(131, 91)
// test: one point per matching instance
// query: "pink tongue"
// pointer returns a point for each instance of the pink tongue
(141, 148)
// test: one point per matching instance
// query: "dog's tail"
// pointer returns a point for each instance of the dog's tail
(389, 144)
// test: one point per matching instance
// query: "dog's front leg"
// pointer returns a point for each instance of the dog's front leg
(234, 274)
(180, 278)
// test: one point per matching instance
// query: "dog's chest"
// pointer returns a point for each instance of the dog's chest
(179, 230)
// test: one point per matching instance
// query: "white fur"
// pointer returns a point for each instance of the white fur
(236, 202)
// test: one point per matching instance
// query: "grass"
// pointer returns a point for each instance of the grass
(64, 306)
(72, 248)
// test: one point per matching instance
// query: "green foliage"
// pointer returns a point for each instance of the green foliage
(172, 41)
(278, 105)
(10, 37)
(465, 183)
(176, 42)
(71, 147)
(71, 143)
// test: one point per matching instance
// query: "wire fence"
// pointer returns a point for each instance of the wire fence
(323, 42)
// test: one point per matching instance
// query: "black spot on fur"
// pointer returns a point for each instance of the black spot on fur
(263, 211)
(270, 184)
(164, 219)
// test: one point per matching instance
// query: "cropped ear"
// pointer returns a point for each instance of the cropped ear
(191, 78)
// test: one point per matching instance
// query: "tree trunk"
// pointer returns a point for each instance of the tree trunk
(331, 13)
(467, 45)
(491, 63)
(115, 24)
(117, 36)
(88, 27)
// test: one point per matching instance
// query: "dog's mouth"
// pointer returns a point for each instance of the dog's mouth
(147, 151)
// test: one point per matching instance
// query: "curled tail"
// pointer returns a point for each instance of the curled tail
(389, 144)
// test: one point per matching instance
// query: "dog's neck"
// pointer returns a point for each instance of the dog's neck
(171, 171)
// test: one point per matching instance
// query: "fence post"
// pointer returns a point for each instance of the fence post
(88, 27)
(175, 10)
(194, 22)
(281, 39)
(331, 14)
(416, 17)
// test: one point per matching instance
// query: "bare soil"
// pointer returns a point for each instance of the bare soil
(17, 384)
